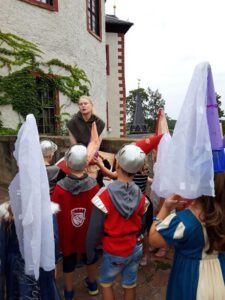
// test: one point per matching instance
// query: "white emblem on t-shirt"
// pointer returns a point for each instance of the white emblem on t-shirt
(78, 216)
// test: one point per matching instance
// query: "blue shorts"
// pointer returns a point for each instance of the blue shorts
(126, 266)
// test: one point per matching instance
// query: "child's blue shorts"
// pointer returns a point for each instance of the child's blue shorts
(126, 266)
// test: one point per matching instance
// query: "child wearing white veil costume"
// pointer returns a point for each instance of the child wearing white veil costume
(197, 233)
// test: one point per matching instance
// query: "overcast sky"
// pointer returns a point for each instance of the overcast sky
(168, 39)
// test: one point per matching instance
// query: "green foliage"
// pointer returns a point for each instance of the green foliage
(62, 118)
(28, 76)
(16, 51)
(7, 131)
(171, 123)
(151, 102)
(219, 103)
(223, 126)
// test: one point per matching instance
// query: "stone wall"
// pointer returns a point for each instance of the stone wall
(8, 166)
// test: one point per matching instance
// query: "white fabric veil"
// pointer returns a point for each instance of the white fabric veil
(187, 169)
(30, 202)
(160, 163)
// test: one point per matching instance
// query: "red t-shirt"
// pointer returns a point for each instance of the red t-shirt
(120, 234)
(73, 218)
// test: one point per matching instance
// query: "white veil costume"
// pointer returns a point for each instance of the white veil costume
(186, 168)
(30, 202)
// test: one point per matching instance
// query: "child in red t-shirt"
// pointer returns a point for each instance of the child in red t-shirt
(117, 219)
(74, 194)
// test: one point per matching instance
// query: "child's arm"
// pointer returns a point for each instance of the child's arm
(150, 180)
(107, 172)
(95, 230)
(155, 238)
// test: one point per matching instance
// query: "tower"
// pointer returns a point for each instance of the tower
(138, 125)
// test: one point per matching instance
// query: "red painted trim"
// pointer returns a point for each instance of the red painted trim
(107, 116)
(53, 7)
(99, 38)
(107, 60)
(37, 74)
(121, 35)
(122, 88)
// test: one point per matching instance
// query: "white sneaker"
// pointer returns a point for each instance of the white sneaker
(144, 261)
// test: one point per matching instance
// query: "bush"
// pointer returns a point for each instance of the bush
(8, 131)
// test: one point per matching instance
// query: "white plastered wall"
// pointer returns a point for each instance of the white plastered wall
(113, 96)
(61, 35)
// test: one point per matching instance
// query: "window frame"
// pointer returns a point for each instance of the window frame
(98, 37)
(107, 59)
(57, 107)
(47, 6)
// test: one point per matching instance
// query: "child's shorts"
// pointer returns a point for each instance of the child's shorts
(126, 266)
(71, 261)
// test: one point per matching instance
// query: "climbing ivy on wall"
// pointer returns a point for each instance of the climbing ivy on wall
(22, 64)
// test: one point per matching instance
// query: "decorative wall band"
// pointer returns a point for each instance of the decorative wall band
(121, 79)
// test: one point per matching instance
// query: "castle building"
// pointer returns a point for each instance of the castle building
(76, 32)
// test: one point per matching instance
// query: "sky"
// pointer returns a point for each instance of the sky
(168, 39)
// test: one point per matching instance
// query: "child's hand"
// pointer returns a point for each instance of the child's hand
(150, 180)
(174, 201)
(97, 161)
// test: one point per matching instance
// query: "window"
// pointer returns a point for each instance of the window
(50, 2)
(48, 103)
(94, 17)
(107, 59)
(47, 4)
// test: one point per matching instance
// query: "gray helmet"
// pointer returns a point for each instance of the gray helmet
(131, 158)
(48, 147)
(76, 157)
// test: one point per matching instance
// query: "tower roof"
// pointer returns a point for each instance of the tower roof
(114, 24)
(138, 125)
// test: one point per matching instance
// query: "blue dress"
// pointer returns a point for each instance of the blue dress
(195, 274)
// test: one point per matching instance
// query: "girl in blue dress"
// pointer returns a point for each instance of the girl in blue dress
(198, 236)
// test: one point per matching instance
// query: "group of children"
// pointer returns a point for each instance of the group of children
(117, 217)
(112, 217)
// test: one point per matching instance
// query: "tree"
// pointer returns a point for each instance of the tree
(219, 103)
(155, 103)
(151, 102)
